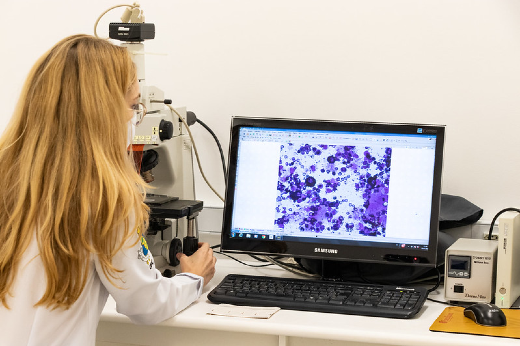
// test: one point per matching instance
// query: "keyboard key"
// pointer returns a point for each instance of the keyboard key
(272, 297)
(336, 301)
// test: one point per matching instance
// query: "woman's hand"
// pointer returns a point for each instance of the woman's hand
(201, 263)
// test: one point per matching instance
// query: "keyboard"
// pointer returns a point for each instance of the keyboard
(320, 296)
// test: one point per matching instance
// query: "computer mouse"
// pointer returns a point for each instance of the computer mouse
(486, 314)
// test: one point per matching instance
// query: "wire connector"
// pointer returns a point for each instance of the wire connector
(133, 14)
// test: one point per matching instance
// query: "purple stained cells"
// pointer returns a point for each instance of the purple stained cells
(310, 181)
(334, 189)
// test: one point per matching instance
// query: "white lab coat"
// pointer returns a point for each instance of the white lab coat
(144, 295)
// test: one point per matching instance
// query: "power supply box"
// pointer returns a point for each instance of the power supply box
(508, 260)
(470, 270)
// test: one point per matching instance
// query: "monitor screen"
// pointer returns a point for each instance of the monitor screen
(334, 190)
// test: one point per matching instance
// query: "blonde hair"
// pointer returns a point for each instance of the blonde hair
(67, 178)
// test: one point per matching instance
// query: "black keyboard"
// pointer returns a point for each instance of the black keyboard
(320, 296)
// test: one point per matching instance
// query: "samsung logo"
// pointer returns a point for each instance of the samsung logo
(322, 250)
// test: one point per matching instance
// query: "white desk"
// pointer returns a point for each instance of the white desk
(194, 327)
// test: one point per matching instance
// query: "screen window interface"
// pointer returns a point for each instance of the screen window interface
(334, 188)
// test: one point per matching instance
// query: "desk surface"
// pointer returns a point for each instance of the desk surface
(288, 327)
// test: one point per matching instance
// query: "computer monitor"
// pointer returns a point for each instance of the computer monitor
(331, 190)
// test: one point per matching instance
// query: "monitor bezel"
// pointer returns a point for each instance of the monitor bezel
(311, 250)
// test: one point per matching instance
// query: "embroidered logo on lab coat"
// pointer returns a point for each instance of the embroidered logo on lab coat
(144, 254)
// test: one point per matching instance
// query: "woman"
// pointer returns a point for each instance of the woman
(72, 210)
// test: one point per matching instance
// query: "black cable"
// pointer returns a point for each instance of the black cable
(438, 281)
(445, 303)
(496, 217)
(259, 259)
(296, 266)
(239, 261)
(218, 144)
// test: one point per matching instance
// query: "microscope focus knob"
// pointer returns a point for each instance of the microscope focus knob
(165, 130)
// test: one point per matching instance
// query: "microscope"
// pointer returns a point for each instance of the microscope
(163, 153)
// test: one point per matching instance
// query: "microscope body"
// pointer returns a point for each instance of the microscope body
(166, 164)
(162, 131)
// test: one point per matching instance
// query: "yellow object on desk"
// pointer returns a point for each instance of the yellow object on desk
(452, 320)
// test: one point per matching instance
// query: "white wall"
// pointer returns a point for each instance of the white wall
(452, 62)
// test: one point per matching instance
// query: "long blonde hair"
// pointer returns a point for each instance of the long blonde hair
(67, 178)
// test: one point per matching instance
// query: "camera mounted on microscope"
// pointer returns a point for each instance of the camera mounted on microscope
(132, 27)
(132, 32)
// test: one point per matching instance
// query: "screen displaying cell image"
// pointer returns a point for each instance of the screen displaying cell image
(361, 191)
